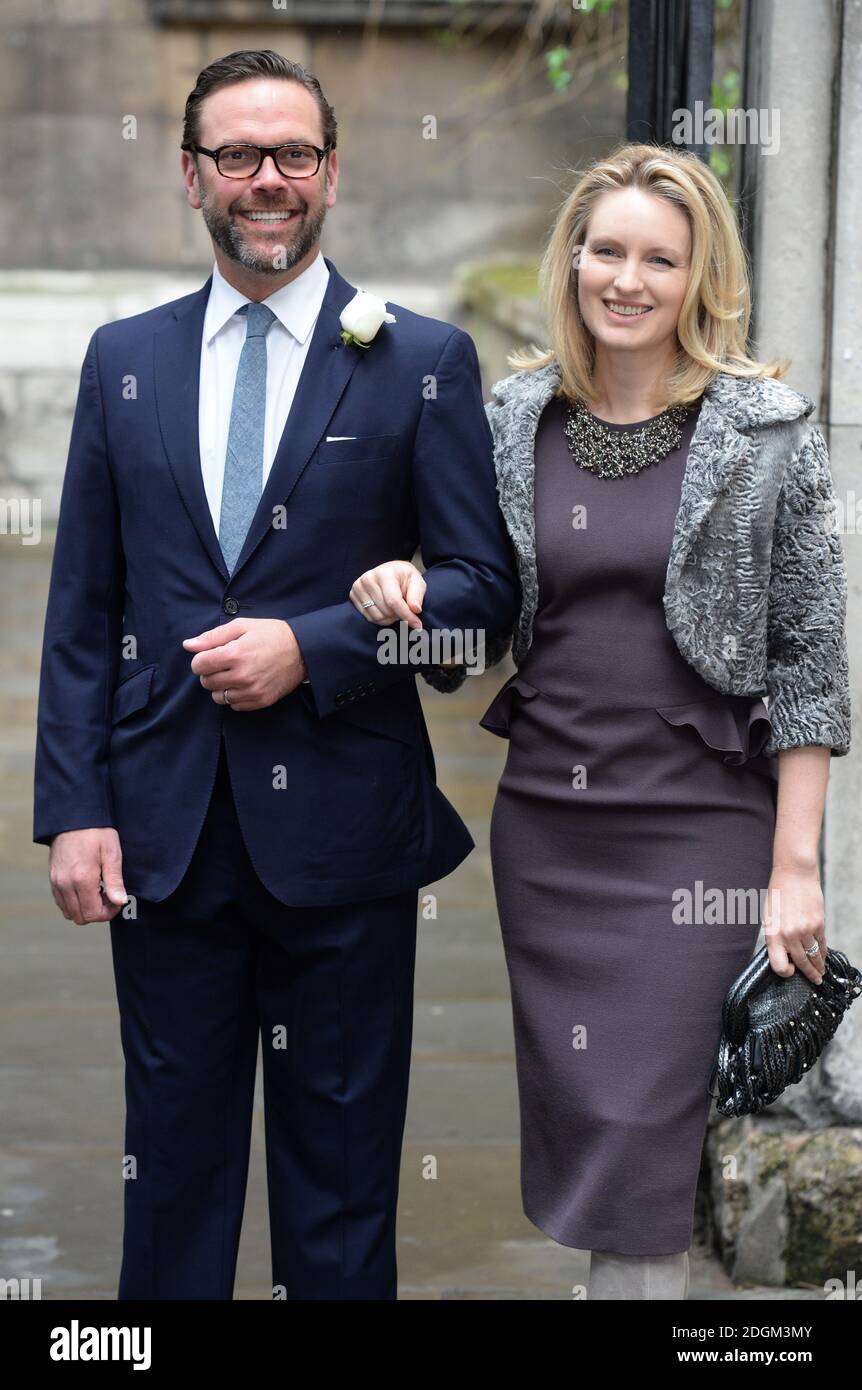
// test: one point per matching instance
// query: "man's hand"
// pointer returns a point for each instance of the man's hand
(81, 860)
(257, 660)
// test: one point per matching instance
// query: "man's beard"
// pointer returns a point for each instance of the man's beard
(280, 257)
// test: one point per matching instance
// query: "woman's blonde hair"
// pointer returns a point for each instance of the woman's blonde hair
(716, 311)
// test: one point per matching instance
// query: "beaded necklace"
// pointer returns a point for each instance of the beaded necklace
(618, 453)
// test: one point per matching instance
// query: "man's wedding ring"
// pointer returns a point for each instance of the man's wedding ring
(812, 950)
(226, 697)
(369, 603)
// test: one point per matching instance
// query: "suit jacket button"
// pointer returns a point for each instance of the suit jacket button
(230, 605)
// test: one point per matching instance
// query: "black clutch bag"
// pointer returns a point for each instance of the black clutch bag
(774, 1029)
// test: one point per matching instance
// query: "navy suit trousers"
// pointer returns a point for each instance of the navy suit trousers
(200, 977)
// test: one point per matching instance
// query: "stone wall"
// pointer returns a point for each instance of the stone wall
(787, 1186)
(87, 197)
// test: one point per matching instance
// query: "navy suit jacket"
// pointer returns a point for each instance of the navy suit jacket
(335, 783)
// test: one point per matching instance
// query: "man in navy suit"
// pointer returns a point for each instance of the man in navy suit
(217, 738)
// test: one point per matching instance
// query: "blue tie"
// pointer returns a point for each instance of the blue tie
(243, 465)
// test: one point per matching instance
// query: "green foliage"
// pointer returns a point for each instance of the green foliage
(727, 91)
(556, 60)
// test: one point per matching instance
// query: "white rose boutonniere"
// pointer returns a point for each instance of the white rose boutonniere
(362, 317)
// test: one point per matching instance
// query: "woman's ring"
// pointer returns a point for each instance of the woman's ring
(226, 697)
(370, 603)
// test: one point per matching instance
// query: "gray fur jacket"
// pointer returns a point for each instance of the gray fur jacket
(756, 588)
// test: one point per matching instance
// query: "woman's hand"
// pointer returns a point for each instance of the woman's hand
(396, 590)
(794, 918)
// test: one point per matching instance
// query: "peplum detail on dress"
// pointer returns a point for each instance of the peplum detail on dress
(737, 726)
(497, 716)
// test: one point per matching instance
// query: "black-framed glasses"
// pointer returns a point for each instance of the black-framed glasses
(241, 161)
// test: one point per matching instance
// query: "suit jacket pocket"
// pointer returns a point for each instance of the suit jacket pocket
(387, 717)
(371, 790)
(364, 449)
(132, 693)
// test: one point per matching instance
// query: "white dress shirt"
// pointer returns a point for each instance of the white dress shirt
(296, 307)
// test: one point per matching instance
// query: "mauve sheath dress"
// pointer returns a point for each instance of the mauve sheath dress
(628, 780)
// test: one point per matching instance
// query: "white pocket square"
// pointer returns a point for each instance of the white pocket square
(333, 438)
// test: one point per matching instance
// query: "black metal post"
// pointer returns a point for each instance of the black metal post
(670, 66)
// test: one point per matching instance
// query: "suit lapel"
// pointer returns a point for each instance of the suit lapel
(176, 376)
(328, 367)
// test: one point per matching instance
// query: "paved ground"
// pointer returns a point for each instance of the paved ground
(461, 1236)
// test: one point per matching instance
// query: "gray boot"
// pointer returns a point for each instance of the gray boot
(614, 1276)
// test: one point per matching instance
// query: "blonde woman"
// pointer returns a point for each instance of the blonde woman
(681, 686)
